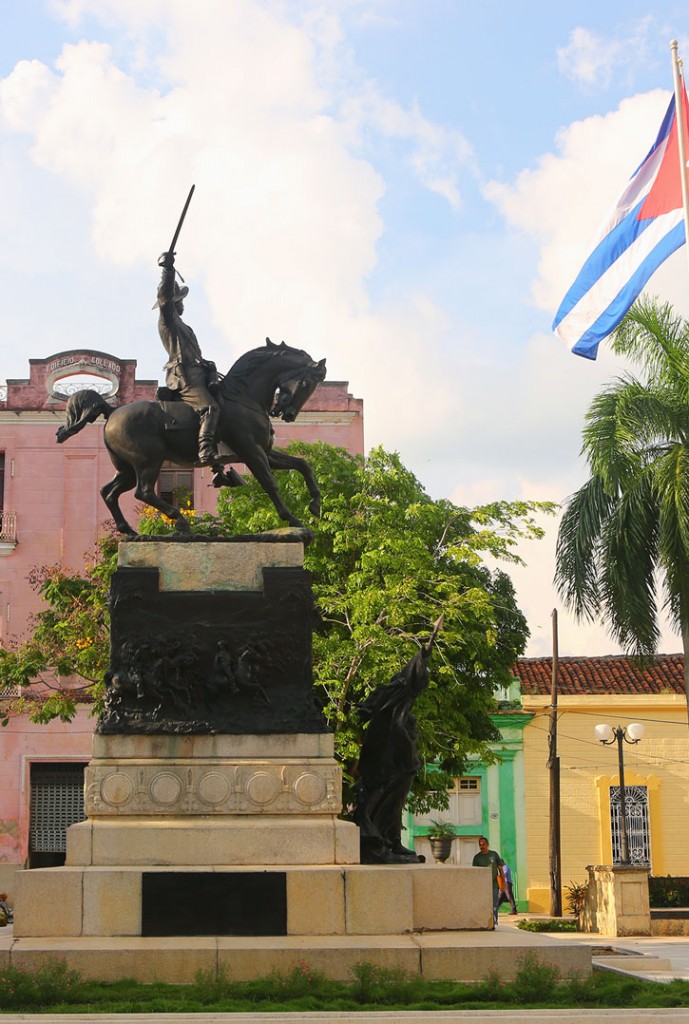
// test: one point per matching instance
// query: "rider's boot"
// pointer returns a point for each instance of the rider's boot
(208, 445)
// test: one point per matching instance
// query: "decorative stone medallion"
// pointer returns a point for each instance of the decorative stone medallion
(213, 787)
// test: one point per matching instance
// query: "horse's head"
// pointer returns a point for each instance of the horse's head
(262, 372)
(295, 387)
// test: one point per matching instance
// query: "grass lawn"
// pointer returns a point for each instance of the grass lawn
(56, 989)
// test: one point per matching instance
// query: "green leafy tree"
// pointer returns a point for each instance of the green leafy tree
(386, 561)
(623, 543)
(67, 652)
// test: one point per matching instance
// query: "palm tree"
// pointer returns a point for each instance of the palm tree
(623, 542)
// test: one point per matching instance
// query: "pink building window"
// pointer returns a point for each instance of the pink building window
(177, 486)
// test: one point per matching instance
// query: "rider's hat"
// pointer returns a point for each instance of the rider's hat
(180, 294)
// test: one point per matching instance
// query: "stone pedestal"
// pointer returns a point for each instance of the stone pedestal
(617, 900)
(213, 796)
(330, 900)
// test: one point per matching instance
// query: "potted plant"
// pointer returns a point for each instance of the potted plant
(440, 836)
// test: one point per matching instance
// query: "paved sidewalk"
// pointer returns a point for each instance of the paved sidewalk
(660, 958)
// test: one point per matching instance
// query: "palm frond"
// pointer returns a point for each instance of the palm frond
(672, 484)
(578, 540)
(627, 528)
(628, 556)
(623, 422)
(654, 337)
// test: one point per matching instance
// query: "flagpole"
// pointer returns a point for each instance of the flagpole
(679, 114)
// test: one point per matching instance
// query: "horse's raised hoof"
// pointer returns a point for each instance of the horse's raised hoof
(231, 478)
(315, 508)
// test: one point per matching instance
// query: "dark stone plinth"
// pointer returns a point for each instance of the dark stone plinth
(211, 661)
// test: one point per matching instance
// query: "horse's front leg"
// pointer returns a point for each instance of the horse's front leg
(257, 461)
(281, 460)
(124, 480)
(146, 477)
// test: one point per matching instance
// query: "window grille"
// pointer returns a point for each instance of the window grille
(638, 830)
(71, 387)
(57, 801)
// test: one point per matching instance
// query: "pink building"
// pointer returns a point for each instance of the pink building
(51, 512)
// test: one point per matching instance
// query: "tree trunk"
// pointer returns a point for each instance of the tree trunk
(685, 649)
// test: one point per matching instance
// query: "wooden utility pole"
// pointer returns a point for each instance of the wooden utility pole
(554, 768)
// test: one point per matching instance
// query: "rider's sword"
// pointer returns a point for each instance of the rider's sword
(437, 626)
(173, 243)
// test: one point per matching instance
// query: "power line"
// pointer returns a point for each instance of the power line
(597, 714)
(639, 755)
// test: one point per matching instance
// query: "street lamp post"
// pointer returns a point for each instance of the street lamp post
(622, 734)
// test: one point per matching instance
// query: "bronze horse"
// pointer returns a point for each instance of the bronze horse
(273, 380)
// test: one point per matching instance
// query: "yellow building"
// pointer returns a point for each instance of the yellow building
(609, 690)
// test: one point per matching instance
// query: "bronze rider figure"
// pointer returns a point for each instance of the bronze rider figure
(187, 372)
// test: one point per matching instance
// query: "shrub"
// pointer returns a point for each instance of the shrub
(301, 980)
(669, 891)
(374, 984)
(534, 981)
(490, 990)
(210, 986)
(554, 924)
(576, 897)
(52, 982)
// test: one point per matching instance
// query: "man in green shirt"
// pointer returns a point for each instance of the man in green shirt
(486, 858)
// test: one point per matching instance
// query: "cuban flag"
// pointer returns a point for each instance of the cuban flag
(645, 226)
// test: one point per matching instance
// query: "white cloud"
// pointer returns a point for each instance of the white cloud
(282, 232)
(593, 60)
(24, 94)
(437, 154)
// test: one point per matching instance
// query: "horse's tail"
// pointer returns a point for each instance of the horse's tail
(82, 407)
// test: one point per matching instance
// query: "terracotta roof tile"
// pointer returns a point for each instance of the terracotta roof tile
(610, 674)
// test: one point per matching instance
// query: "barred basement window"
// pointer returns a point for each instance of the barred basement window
(57, 801)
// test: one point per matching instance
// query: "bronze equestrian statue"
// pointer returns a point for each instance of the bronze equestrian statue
(272, 380)
(197, 409)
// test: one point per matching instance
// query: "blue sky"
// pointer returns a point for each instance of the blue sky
(406, 187)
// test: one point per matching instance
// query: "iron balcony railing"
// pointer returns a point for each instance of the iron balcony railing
(8, 527)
